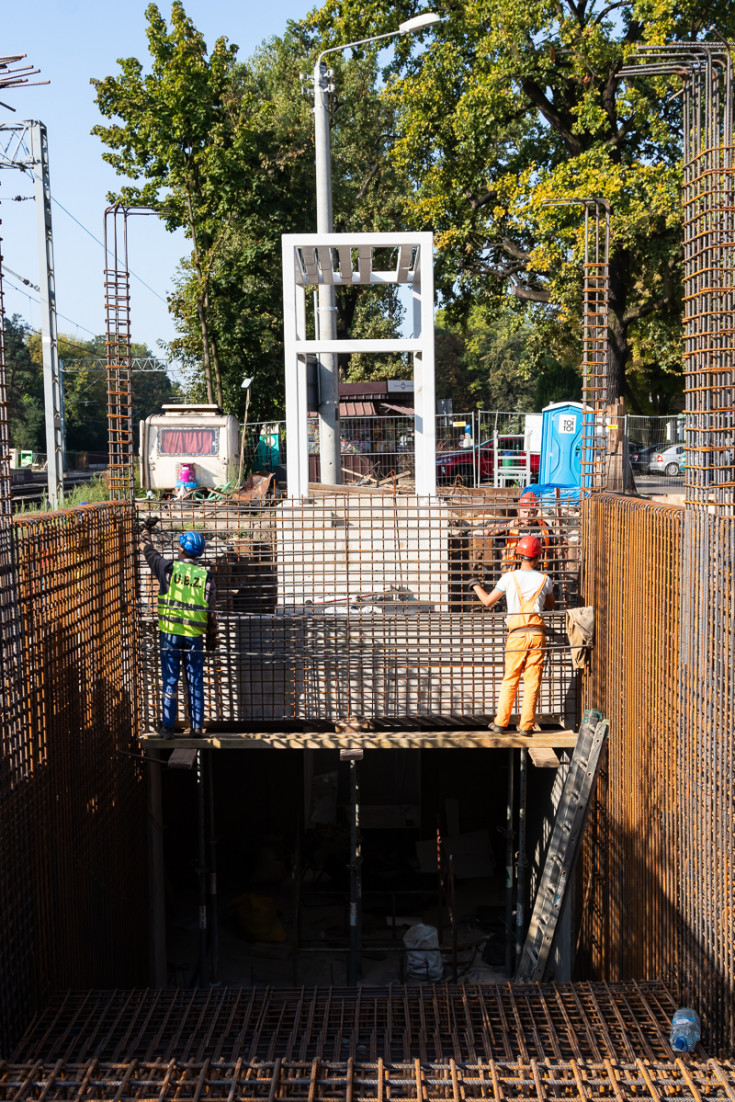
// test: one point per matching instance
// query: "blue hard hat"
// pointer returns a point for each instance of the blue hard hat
(193, 543)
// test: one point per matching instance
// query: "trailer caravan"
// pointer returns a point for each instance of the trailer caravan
(185, 444)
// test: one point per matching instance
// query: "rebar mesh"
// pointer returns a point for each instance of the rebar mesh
(595, 393)
(359, 604)
(629, 884)
(361, 1081)
(72, 803)
(472, 1022)
(705, 69)
(117, 345)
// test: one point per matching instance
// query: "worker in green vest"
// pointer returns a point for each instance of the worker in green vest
(185, 620)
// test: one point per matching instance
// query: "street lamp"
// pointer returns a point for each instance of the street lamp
(329, 438)
(245, 385)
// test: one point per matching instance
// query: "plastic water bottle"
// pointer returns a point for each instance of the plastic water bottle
(686, 1029)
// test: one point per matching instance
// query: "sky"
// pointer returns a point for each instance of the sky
(71, 41)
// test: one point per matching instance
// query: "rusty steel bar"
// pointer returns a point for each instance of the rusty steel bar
(504, 1022)
(118, 353)
(596, 394)
(72, 800)
(363, 1081)
(357, 604)
(706, 73)
(629, 871)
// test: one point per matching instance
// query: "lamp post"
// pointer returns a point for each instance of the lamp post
(330, 454)
(245, 385)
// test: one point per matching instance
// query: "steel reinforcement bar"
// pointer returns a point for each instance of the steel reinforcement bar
(360, 604)
(472, 1022)
(628, 898)
(72, 799)
(371, 1081)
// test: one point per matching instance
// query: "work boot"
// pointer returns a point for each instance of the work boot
(196, 732)
(166, 732)
(498, 730)
(527, 732)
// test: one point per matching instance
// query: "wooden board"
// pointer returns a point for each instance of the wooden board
(370, 740)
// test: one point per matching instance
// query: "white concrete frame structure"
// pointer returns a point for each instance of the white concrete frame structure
(316, 259)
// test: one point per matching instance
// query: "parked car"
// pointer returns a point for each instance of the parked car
(666, 460)
(455, 465)
(640, 455)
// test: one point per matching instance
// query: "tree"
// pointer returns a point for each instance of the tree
(514, 104)
(24, 380)
(187, 136)
(234, 146)
(503, 356)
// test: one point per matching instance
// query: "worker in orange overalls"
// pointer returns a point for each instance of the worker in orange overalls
(527, 593)
(529, 523)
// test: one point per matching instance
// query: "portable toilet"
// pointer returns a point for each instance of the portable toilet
(561, 444)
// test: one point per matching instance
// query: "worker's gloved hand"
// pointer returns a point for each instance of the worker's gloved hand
(150, 523)
(210, 639)
(474, 580)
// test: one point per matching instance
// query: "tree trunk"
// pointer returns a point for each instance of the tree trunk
(215, 356)
(201, 311)
(205, 346)
(618, 342)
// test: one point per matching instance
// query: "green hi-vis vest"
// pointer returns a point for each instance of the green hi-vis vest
(183, 610)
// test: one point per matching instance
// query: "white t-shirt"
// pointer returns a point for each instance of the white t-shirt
(529, 581)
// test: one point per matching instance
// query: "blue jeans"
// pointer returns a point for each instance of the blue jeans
(191, 649)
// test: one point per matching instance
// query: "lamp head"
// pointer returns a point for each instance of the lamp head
(247, 382)
(427, 19)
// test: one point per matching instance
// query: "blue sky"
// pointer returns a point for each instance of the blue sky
(71, 41)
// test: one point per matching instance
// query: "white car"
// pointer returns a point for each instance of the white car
(667, 460)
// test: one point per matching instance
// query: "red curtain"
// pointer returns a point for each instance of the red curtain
(187, 441)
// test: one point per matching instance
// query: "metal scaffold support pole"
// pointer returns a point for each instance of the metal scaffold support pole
(509, 878)
(203, 968)
(355, 875)
(522, 859)
(52, 385)
(25, 147)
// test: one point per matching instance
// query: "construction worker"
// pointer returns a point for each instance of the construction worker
(185, 618)
(529, 523)
(527, 593)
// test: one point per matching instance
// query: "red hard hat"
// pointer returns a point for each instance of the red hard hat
(529, 496)
(529, 547)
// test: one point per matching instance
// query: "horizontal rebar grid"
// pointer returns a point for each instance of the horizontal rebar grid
(72, 800)
(355, 1081)
(359, 604)
(473, 1022)
(628, 895)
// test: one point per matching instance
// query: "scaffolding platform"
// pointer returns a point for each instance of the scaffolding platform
(398, 738)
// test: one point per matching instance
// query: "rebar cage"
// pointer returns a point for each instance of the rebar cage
(72, 799)
(358, 603)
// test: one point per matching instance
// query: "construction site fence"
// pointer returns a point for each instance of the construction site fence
(657, 876)
(72, 800)
(360, 603)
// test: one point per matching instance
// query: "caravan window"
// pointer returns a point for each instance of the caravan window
(189, 441)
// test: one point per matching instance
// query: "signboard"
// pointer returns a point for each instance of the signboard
(400, 386)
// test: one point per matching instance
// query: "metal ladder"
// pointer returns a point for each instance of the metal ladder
(563, 846)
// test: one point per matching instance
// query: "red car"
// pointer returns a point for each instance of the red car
(458, 465)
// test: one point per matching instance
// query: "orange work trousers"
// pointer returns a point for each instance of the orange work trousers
(524, 656)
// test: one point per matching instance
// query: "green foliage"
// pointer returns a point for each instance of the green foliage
(233, 162)
(24, 383)
(515, 104)
(504, 355)
(85, 390)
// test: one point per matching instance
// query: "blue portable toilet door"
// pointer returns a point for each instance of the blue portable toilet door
(561, 444)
